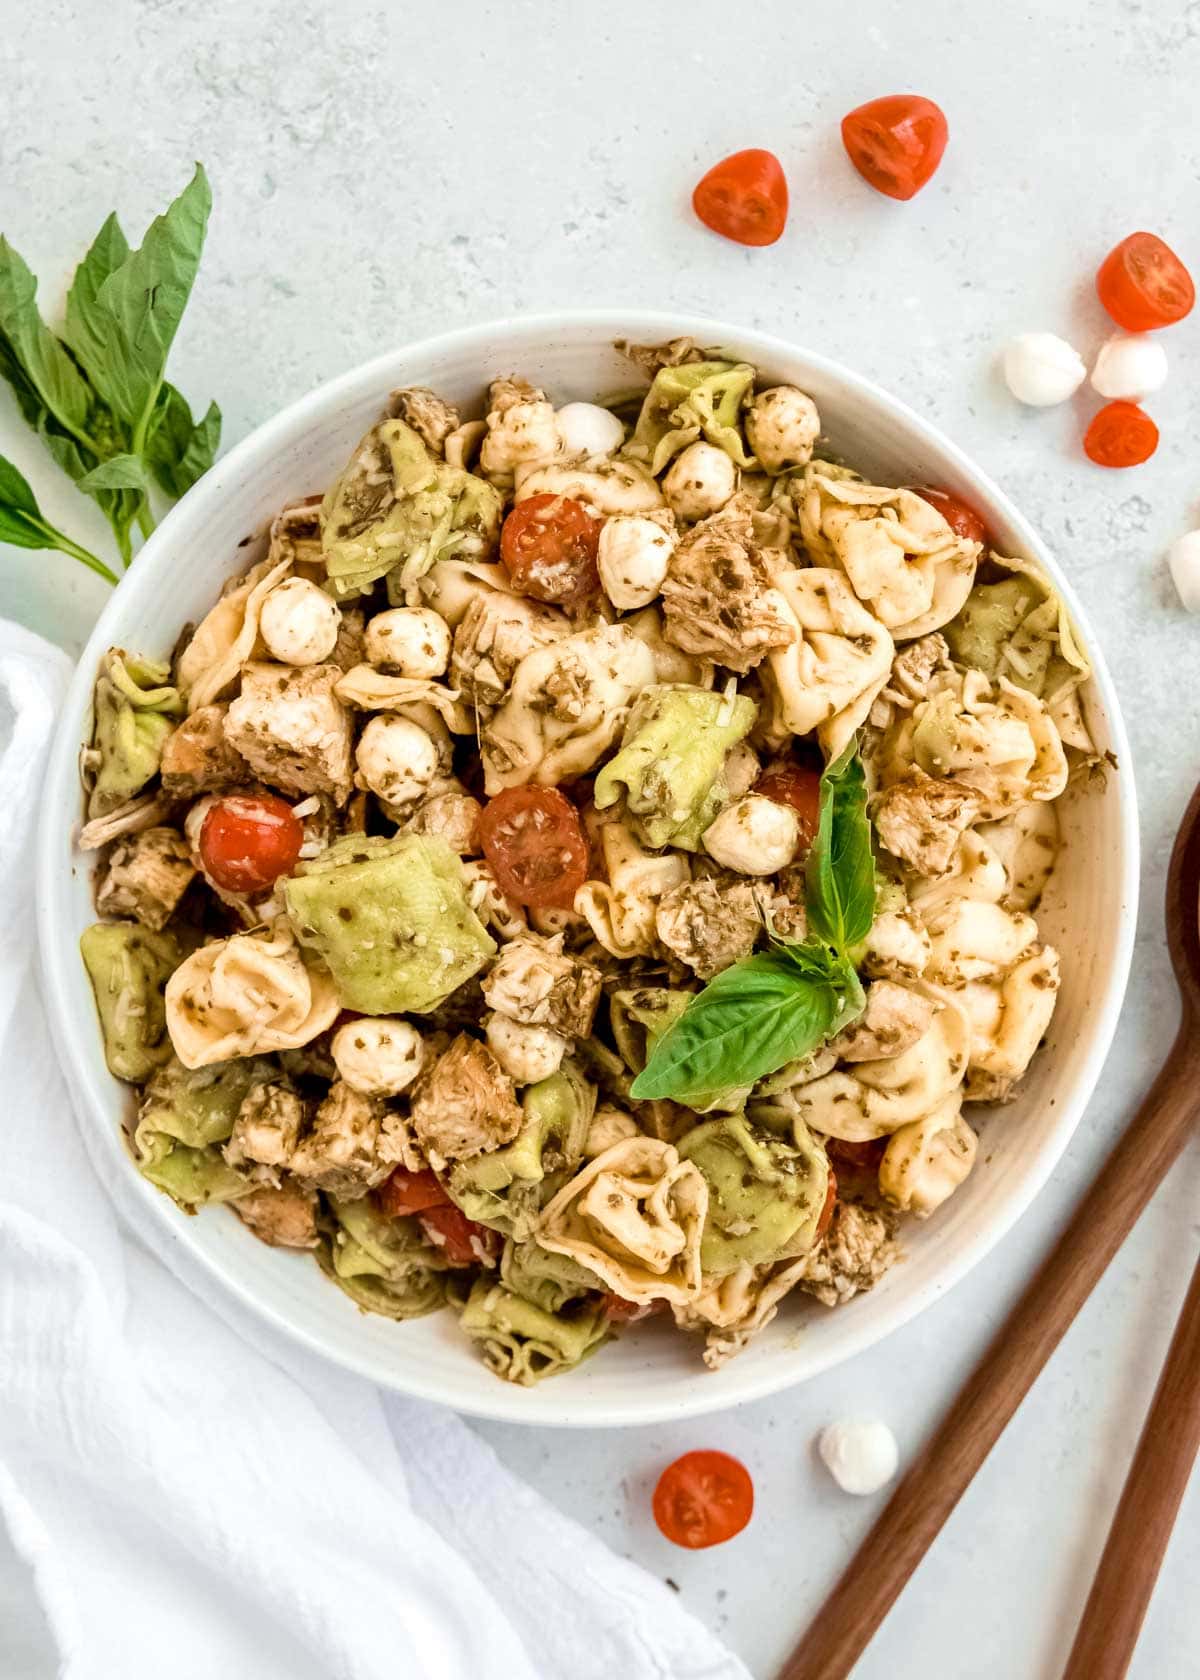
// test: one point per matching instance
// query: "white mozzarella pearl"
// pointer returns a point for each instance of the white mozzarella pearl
(860, 1455)
(754, 835)
(299, 622)
(379, 1057)
(1183, 557)
(700, 482)
(396, 759)
(633, 557)
(1130, 366)
(413, 641)
(1041, 369)
(586, 429)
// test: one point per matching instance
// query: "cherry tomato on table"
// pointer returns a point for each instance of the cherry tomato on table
(410, 1192)
(533, 839)
(744, 198)
(1121, 435)
(896, 142)
(959, 515)
(548, 545)
(247, 841)
(1143, 284)
(789, 783)
(703, 1499)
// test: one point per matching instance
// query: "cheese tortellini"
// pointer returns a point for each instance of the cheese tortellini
(620, 910)
(829, 674)
(245, 996)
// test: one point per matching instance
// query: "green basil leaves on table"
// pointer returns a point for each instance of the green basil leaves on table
(785, 1002)
(97, 396)
(22, 524)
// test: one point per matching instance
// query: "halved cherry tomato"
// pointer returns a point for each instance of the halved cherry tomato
(826, 1218)
(1121, 435)
(896, 142)
(703, 1499)
(1143, 284)
(247, 841)
(465, 1243)
(744, 197)
(617, 1310)
(548, 545)
(863, 1155)
(789, 783)
(959, 515)
(534, 842)
(410, 1192)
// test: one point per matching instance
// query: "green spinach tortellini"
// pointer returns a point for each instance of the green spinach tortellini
(397, 509)
(696, 399)
(129, 967)
(548, 1280)
(391, 921)
(521, 1341)
(385, 1264)
(136, 708)
(670, 764)
(184, 1115)
(766, 1194)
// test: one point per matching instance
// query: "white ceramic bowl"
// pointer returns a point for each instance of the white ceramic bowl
(1089, 911)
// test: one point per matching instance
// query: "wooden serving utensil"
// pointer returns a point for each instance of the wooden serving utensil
(939, 1476)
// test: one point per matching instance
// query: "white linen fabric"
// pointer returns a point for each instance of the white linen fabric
(193, 1494)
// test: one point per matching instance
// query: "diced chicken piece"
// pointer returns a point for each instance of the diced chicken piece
(147, 875)
(343, 1154)
(898, 947)
(266, 1131)
(709, 923)
(855, 1252)
(451, 813)
(717, 594)
(521, 427)
(894, 1019)
(534, 982)
(921, 818)
(430, 416)
(493, 638)
(465, 1104)
(198, 759)
(291, 728)
(285, 1215)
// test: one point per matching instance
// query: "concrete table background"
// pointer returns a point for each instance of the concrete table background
(385, 170)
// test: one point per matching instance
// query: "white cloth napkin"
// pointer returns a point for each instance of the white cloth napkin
(197, 1497)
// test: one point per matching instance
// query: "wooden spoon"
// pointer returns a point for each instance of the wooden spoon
(937, 1479)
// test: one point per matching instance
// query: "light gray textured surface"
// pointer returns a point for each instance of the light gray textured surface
(385, 170)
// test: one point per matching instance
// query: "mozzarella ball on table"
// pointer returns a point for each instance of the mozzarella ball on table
(861, 1455)
(1041, 369)
(527, 1054)
(754, 836)
(299, 622)
(782, 426)
(1130, 366)
(585, 429)
(1183, 558)
(397, 760)
(412, 641)
(700, 482)
(379, 1056)
(633, 555)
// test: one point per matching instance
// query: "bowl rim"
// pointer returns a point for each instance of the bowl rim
(58, 946)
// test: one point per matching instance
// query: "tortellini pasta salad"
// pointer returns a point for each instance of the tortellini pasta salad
(587, 867)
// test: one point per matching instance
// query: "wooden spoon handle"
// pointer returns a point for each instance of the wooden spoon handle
(939, 1476)
(1154, 1488)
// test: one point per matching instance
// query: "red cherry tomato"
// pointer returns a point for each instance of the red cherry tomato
(789, 783)
(247, 841)
(1121, 435)
(744, 198)
(826, 1218)
(960, 516)
(703, 1499)
(896, 142)
(862, 1155)
(617, 1310)
(1143, 284)
(464, 1242)
(548, 545)
(410, 1192)
(534, 842)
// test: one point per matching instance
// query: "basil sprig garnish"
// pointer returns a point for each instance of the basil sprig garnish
(97, 395)
(785, 1002)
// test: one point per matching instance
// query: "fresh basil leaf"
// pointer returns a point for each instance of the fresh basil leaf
(179, 449)
(840, 874)
(120, 472)
(769, 1009)
(88, 324)
(44, 363)
(143, 301)
(119, 507)
(22, 524)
